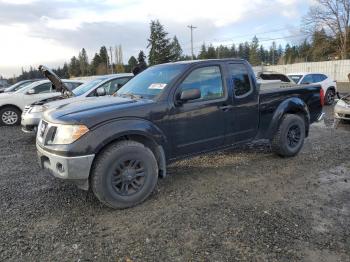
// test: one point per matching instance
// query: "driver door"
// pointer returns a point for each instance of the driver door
(199, 125)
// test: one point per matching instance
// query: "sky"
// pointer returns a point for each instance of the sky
(34, 32)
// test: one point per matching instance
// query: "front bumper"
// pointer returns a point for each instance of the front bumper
(74, 169)
(30, 122)
(341, 112)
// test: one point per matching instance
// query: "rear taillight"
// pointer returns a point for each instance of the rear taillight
(321, 97)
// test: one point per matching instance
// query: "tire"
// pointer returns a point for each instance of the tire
(10, 116)
(124, 174)
(329, 97)
(289, 138)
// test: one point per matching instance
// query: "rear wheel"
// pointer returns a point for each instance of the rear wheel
(289, 138)
(329, 97)
(124, 174)
(10, 116)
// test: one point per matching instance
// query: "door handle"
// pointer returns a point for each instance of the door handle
(226, 107)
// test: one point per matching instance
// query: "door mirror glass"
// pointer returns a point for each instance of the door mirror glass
(190, 94)
(31, 92)
(101, 91)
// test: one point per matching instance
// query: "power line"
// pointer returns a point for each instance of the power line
(264, 39)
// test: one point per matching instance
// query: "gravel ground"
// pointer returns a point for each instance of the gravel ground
(244, 204)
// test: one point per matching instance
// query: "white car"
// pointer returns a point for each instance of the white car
(328, 85)
(12, 104)
(99, 86)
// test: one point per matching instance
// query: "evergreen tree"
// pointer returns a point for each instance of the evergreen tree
(83, 62)
(141, 58)
(176, 50)
(159, 44)
(233, 51)
(211, 53)
(96, 61)
(104, 61)
(254, 57)
(203, 52)
(240, 52)
(132, 62)
(273, 53)
(74, 67)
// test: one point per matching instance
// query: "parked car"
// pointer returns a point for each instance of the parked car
(342, 108)
(12, 104)
(99, 86)
(18, 85)
(328, 85)
(119, 145)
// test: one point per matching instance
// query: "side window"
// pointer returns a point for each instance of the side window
(44, 88)
(322, 77)
(307, 79)
(240, 79)
(316, 78)
(208, 80)
(116, 84)
(72, 85)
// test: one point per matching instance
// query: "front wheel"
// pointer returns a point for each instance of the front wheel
(124, 174)
(10, 116)
(289, 138)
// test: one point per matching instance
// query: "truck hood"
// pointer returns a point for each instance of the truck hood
(91, 110)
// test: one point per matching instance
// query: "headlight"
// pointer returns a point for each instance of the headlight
(67, 134)
(37, 109)
(341, 103)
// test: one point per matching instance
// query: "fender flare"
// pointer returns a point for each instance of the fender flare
(292, 105)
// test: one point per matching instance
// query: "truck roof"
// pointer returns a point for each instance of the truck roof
(207, 60)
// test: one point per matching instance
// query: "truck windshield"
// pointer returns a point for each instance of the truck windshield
(295, 78)
(151, 82)
(87, 86)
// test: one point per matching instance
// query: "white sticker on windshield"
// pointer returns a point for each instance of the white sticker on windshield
(157, 86)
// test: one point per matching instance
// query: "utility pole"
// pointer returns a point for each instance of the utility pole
(191, 27)
(110, 51)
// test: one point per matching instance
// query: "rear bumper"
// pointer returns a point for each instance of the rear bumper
(74, 169)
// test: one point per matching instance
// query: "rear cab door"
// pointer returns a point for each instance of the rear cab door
(243, 119)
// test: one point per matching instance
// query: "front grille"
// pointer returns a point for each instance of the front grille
(46, 132)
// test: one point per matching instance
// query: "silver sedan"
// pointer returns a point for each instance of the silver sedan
(342, 108)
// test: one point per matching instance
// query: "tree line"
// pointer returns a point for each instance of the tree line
(327, 25)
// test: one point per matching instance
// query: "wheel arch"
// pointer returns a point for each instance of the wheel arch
(290, 106)
(10, 105)
(138, 130)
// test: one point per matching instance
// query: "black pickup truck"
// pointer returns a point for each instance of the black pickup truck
(120, 145)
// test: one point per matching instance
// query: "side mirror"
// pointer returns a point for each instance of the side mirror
(31, 92)
(100, 91)
(190, 94)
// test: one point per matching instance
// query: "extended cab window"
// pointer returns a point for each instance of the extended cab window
(208, 80)
(240, 79)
